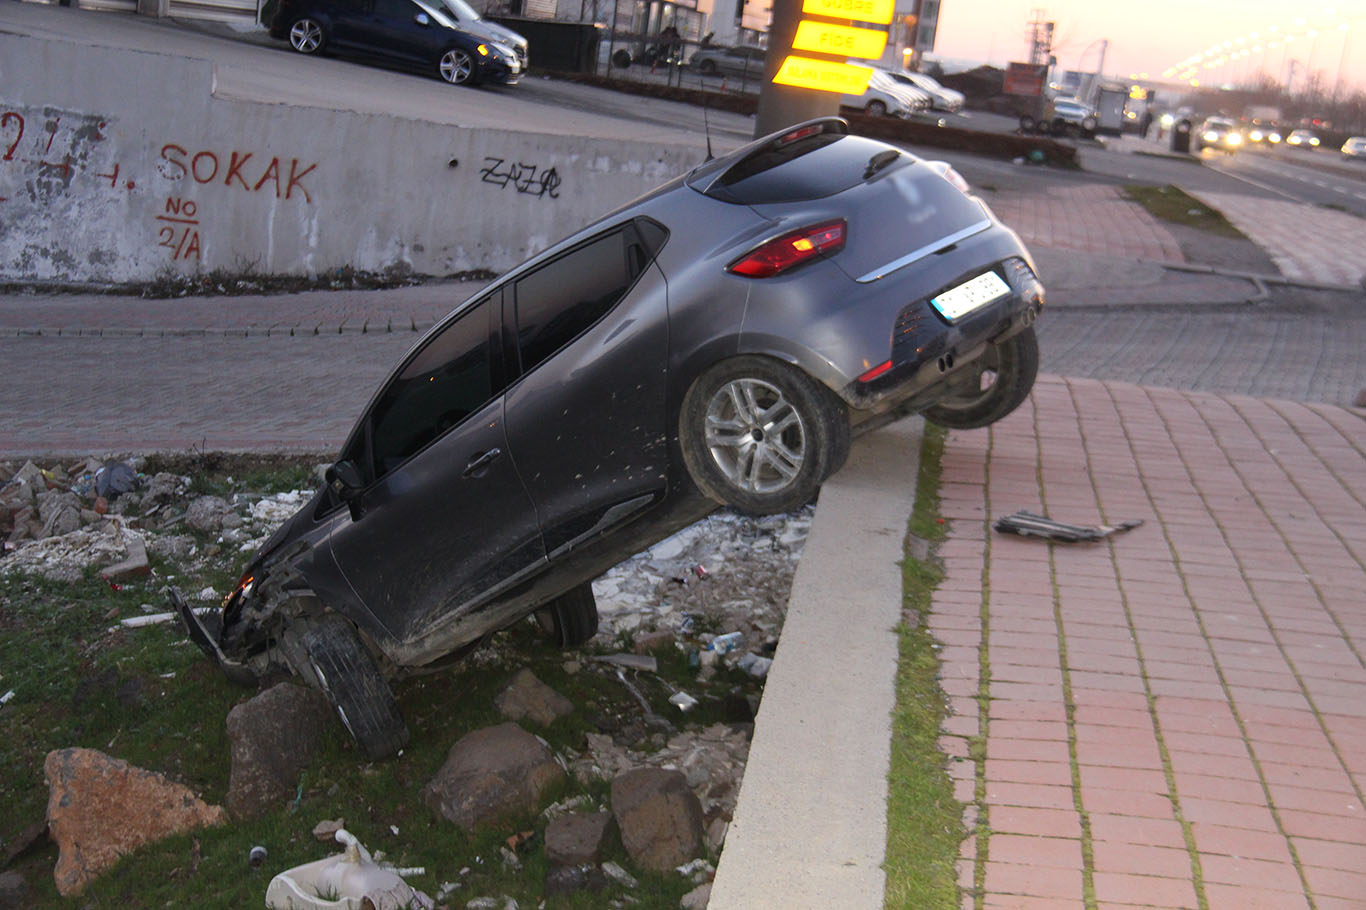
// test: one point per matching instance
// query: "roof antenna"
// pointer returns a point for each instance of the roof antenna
(706, 124)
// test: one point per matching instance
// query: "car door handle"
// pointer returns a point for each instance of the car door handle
(479, 464)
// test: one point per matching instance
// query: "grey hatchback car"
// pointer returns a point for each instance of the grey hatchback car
(717, 341)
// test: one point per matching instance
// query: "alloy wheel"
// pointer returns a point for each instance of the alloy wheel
(755, 436)
(306, 36)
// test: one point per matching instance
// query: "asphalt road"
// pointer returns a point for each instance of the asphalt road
(1319, 177)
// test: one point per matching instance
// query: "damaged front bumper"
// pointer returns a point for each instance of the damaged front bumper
(206, 631)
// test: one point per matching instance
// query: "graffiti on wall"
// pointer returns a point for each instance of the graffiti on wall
(525, 178)
(48, 153)
(56, 149)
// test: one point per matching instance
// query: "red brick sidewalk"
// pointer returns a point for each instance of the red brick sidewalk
(1175, 717)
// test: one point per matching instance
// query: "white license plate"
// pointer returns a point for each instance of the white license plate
(970, 295)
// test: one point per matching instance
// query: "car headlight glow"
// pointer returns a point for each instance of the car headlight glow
(1234, 139)
(1210, 136)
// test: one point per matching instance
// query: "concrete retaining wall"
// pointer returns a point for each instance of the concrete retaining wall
(116, 165)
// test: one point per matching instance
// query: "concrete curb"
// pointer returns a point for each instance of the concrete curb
(810, 828)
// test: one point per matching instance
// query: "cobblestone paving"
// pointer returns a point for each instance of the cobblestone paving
(1092, 218)
(1307, 243)
(1175, 717)
(1281, 350)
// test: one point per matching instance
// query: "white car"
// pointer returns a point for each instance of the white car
(1302, 139)
(941, 98)
(887, 97)
(1355, 148)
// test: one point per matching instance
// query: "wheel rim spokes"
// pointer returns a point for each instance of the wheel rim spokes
(755, 436)
(305, 36)
(455, 68)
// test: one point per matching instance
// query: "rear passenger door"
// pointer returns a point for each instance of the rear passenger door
(586, 415)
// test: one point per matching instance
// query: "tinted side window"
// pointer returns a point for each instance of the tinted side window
(449, 379)
(557, 302)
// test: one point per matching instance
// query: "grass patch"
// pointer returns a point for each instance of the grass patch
(149, 697)
(924, 820)
(1170, 203)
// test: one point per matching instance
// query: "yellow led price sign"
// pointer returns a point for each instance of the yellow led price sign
(840, 40)
(876, 11)
(823, 75)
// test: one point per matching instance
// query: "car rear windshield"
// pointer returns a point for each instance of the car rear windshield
(812, 168)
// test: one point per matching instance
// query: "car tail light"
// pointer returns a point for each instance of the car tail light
(791, 250)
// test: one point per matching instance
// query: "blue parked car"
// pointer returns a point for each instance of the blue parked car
(446, 38)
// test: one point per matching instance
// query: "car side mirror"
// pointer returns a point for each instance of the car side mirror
(345, 480)
(422, 19)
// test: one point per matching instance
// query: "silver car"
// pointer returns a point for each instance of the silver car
(717, 341)
(745, 60)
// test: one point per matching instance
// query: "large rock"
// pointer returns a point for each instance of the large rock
(274, 736)
(492, 773)
(527, 697)
(100, 808)
(659, 817)
(576, 839)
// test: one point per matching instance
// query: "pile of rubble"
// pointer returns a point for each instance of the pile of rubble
(60, 520)
(716, 591)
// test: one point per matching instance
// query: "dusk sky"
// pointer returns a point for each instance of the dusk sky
(1154, 35)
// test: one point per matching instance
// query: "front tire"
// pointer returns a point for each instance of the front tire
(457, 67)
(760, 435)
(571, 619)
(875, 109)
(990, 388)
(307, 36)
(347, 675)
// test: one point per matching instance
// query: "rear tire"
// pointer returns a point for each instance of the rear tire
(1011, 367)
(347, 675)
(571, 619)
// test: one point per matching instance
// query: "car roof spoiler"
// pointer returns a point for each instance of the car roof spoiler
(714, 174)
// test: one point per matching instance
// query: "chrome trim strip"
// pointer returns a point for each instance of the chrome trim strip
(924, 251)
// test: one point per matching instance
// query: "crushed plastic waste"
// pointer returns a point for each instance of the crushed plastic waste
(755, 665)
(724, 644)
